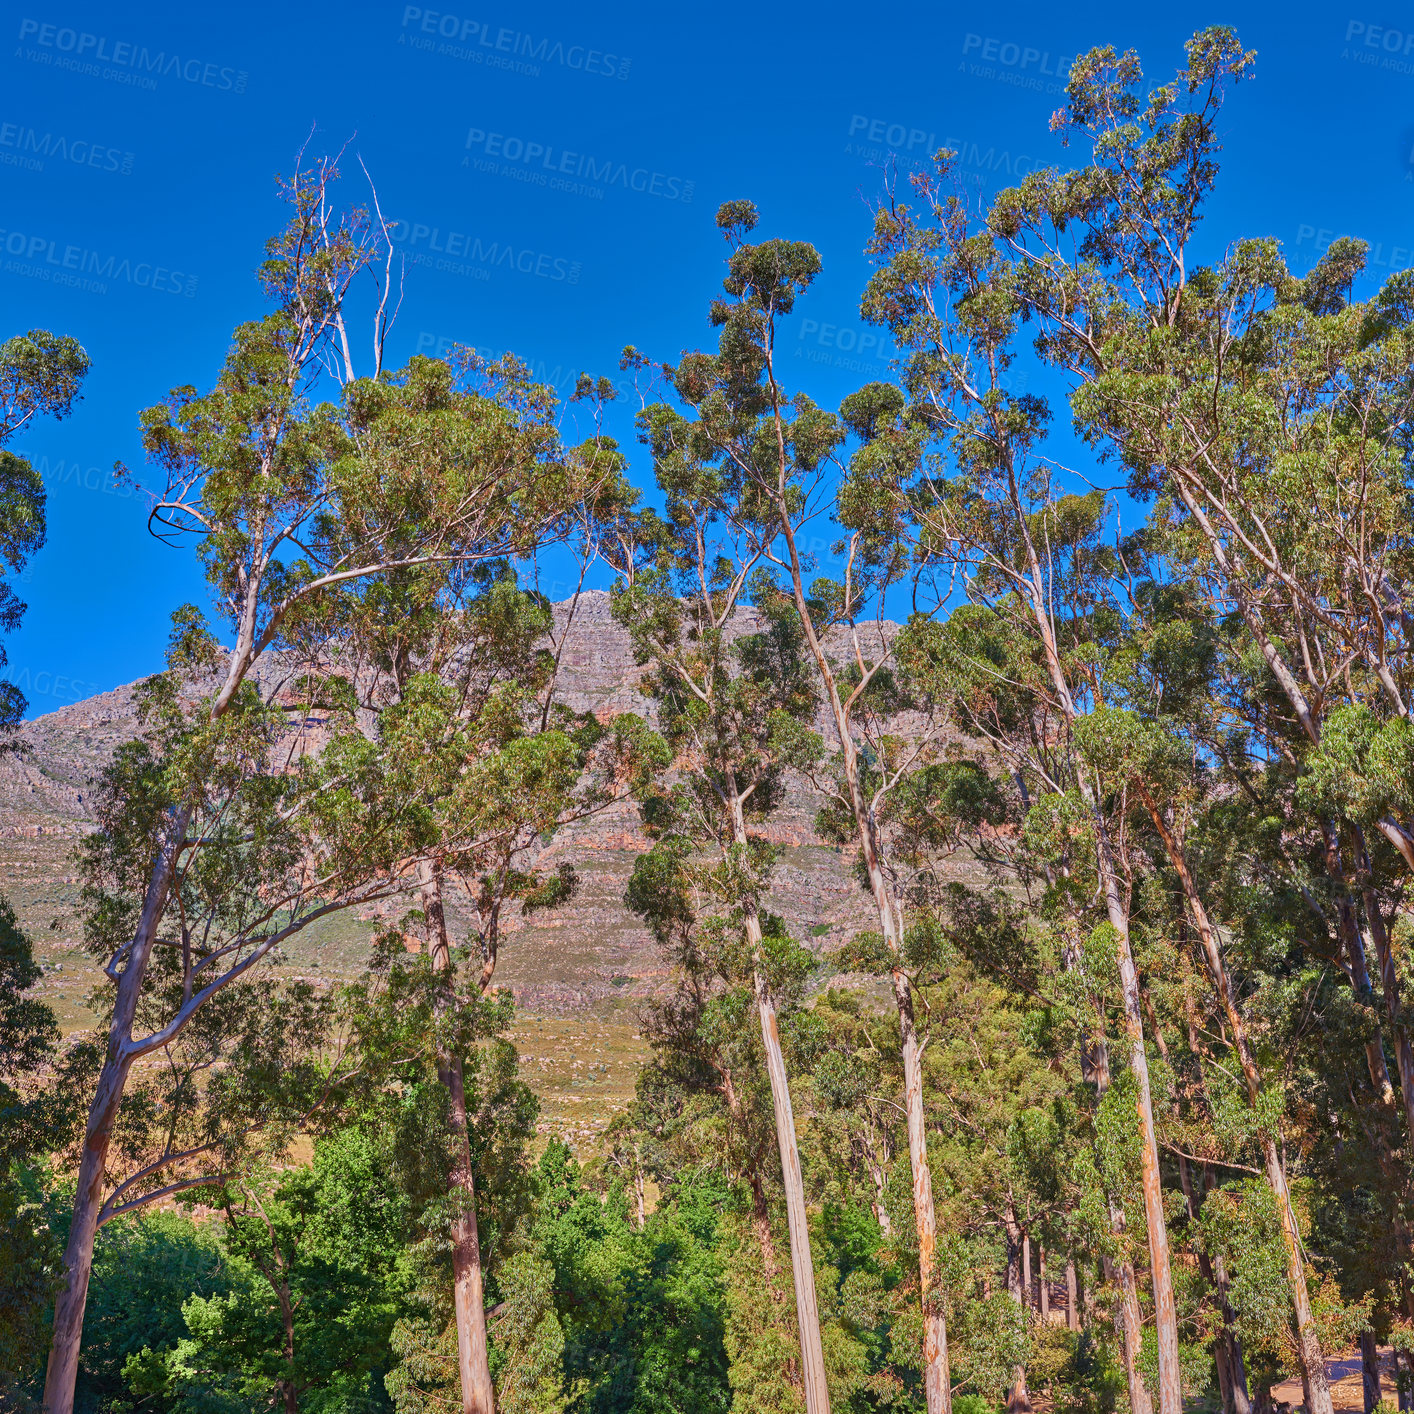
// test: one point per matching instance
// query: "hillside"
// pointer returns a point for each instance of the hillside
(578, 972)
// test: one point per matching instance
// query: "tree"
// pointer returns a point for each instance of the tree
(227, 832)
(1265, 413)
(452, 654)
(782, 449)
(702, 1102)
(32, 1122)
(734, 708)
(40, 376)
(988, 511)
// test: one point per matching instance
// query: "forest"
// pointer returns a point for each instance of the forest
(1102, 686)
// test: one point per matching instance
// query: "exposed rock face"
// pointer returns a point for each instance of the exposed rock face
(44, 781)
(592, 953)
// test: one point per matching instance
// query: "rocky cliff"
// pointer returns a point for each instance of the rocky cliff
(590, 956)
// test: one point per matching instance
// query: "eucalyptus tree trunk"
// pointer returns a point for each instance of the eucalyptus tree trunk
(1160, 1266)
(468, 1297)
(1227, 1350)
(937, 1381)
(1310, 1357)
(1017, 1278)
(288, 1391)
(812, 1354)
(638, 1188)
(1370, 1370)
(1128, 1319)
(1348, 929)
(1389, 985)
(1161, 1276)
(63, 1369)
(761, 1221)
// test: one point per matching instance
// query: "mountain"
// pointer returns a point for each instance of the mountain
(590, 956)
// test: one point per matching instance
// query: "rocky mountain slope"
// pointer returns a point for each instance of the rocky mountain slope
(589, 957)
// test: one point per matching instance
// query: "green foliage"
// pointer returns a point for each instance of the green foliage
(529, 1377)
(28, 1034)
(40, 376)
(30, 1264)
(145, 1270)
(314, 1275)
(642, 1310)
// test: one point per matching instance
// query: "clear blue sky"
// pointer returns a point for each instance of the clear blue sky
(596, 142)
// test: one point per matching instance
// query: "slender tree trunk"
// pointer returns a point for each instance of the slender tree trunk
(1018, 1396)
(78, 1253)
(881, 1213)
(288, 1392)
(638, 1187)
(1236, 1362)
(1129, 1325)
(1232, 1382)
(1165, 1312)
(468, 1298)
(761, 1221)
(63, 1369)
(1043, 1285)
(1309, 1354)
(1223, 1366)
(1128, 1321)
(1389, 985)
(1227, 1353)
(1072, 1312)
(1236, 1365)
(1370, 1370)
(1348, 928)
(1360, 977)
(937, 1382)
(1028, 1287)
(812, 1354)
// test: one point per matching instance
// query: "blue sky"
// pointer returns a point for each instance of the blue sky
(497, 122)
